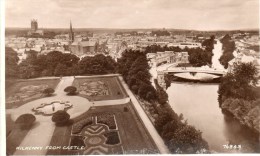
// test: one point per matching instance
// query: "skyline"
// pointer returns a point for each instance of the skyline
(133, 14)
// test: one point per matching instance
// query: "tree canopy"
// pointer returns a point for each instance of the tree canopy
(59, 64)
(228, 49)
(134, 67)
(11, 60)
(239, 83)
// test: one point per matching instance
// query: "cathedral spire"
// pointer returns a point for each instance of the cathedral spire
(71, 34)
(70, 26)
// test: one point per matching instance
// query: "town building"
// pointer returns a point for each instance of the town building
(168, 57)
(83, 47)
(34, 29)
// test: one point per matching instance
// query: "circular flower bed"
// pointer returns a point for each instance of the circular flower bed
(53, 107)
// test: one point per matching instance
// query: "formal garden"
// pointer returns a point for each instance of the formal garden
(23, 91)
(65, 117)
(104, 131)
(97, 134)
(99, 88)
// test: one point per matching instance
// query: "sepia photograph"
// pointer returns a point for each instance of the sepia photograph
(120, 77)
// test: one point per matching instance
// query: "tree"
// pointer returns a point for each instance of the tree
(60, 118)
(70, 90)
(209, 43)
(25, 121)
(99, 64)
(240, 83)
(60, 70)
(225, 58)
(26, 70)
(162, 96)
(11, 60)
(134, 88)
(228, 49)
(246, 73)
(187, 140)
(150, 96)
(164, 117)
(48, 91)
(169, 129)
(199, 57)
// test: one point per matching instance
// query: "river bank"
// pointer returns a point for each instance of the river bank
(199, 105)
(243, 111)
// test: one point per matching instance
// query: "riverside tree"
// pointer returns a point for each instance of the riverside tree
(239, 83)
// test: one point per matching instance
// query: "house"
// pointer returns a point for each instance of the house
(83, 47)
(168, 57)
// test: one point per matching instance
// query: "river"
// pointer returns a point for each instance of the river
(217, 51)
(199, 105)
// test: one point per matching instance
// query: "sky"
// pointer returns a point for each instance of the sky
(176, 14)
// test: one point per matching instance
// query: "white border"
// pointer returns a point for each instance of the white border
(2, 80)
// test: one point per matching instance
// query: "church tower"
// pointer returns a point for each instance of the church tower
(34, 25)
(71, 34)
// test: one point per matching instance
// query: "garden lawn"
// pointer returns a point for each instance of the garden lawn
(12, 88)
(10, 125)
(134, 137)
(14, 138)
(116, 91)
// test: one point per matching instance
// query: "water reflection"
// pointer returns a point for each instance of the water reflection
(199, 104)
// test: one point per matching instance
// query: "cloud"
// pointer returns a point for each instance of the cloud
(185, 14)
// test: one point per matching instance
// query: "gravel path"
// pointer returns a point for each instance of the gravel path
(41, 133)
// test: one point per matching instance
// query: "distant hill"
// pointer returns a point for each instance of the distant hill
(17, 31)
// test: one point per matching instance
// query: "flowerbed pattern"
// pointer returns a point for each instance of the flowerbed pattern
(107, 119)
(96, 134)
(77, 127)
(26, 93)
(94, 88)
(52, 107)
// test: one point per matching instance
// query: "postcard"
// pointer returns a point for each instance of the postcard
(85, 77)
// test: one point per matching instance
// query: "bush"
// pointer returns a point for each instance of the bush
(25, 121)
(187, 140)
(60, 117)
(125, 109)
(48, 91)
(77, 141)
(70, 90)
(107, 119)
(112, 138)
